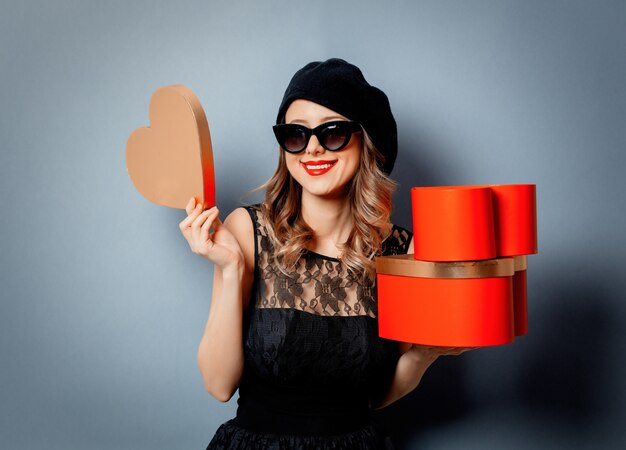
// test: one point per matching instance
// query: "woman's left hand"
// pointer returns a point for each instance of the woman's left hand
(415, 360)
(428, 353)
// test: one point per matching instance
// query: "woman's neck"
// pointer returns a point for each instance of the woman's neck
(330, 219)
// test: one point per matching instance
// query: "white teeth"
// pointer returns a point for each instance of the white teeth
(321, 166)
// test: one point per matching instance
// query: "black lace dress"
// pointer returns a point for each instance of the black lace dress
(313, 358)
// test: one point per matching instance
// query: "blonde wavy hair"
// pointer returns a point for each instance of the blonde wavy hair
(369, 191)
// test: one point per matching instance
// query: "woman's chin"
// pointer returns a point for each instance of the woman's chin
(327, 193)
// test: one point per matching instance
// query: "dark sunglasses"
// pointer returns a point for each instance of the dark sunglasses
(333, 136)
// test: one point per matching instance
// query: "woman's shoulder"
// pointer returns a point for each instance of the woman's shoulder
(245, 215)
(241, 225)
(252, 214)
(249, 221)
(239, 218)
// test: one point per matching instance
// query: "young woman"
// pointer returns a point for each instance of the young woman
(292, 322)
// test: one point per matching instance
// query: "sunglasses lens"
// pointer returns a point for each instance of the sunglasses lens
(293, 139)
(335, 137)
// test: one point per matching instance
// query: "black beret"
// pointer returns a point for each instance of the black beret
(340, 86)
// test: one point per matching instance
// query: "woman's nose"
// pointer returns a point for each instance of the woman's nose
(314, 147)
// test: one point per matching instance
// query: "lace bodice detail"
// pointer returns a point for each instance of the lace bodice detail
(318, 284)
(313, 359)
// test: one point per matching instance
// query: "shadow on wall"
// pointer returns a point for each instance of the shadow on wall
(418, 164)
(568, 374)
(440, 399)
(566, 378)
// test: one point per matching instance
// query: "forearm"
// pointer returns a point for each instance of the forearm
(220, 353)
(409, 372)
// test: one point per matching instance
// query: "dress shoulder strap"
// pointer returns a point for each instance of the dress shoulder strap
(258, 225)
(397, 243)
(255, 216)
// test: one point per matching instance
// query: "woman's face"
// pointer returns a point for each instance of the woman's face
(321, 172)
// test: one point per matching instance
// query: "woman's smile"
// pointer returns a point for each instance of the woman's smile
(317, 168)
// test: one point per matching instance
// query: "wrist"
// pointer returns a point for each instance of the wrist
(233, 270)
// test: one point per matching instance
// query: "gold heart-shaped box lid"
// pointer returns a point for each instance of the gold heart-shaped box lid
(172, 160)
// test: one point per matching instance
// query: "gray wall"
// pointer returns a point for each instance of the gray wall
(103, 304)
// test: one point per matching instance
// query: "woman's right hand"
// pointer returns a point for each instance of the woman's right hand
(219, 246)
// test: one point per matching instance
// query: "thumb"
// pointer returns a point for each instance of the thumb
(190, 205)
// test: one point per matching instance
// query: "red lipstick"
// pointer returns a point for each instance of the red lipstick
(316, 168)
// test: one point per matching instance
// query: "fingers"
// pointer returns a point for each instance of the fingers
(455, 351)
(192, 214)
(443, 351)
(211, 220)
(196, 227)
(200, 219)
